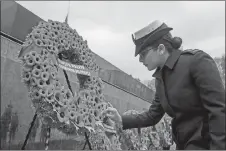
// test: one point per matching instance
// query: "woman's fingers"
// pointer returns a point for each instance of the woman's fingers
(109, 104)
(111, 113)
(109, 110)
(112, 117)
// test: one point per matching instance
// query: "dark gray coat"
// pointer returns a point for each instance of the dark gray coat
(190, 90)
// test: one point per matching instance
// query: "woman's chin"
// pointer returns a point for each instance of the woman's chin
(149, 69)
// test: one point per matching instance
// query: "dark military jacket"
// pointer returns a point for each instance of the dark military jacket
(190, 90)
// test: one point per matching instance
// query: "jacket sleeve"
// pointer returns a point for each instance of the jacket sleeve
(212, 93)
(145, 119)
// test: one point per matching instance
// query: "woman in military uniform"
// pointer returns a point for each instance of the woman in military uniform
(188, 88)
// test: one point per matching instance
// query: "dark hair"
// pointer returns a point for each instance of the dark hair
(169, 42)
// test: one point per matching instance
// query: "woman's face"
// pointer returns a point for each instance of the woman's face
(150, 58)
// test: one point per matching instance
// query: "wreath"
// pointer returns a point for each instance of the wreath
(48, 51)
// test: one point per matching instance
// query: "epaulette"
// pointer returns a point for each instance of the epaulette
(191, 51)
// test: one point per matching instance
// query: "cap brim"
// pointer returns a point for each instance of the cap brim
(151, 39)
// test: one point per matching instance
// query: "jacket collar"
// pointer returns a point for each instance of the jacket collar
(157, 73)
(170, 62)
(172, 59)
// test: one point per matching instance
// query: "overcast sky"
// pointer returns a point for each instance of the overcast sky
(108, 25)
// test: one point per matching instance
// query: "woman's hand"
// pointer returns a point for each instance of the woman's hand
(113, 114)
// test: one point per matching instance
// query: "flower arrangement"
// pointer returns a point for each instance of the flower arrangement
(72, 113)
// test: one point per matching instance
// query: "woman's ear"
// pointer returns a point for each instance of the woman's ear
(161, 49)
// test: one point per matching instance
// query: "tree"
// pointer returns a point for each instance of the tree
(137, 79)
(150, 84)
(220, 62)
